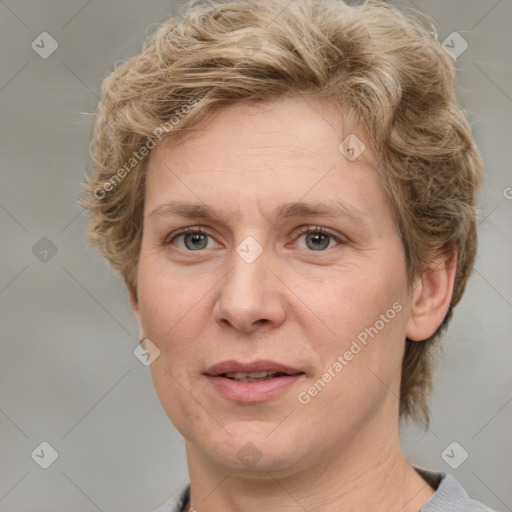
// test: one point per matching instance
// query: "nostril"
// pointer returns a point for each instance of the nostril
(245, 327)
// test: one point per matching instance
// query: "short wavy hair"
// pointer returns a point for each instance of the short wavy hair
(386, 68)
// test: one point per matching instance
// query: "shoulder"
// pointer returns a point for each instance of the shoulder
(176, 501)
(450, 496)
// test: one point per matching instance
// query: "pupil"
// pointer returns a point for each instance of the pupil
(195, 241)
(320, 241)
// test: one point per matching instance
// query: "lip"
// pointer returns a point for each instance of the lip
(252, 392)
(261, 365)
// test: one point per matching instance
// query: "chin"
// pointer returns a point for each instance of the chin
(255, 447)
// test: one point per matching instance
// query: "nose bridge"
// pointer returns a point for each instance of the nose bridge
(250, 293)
(247, 277)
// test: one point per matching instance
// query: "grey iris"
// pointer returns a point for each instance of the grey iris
(319, 241)
(197, 241)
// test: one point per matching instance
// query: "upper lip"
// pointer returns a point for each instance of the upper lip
(260, 365)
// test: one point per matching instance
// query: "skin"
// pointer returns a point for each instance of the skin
(293, 304)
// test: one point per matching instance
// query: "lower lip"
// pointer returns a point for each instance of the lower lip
(261, 391)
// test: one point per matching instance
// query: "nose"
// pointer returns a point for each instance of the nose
(251, 297)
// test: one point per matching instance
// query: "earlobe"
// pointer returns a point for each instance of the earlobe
(431, 297)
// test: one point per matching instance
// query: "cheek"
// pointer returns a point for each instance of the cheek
(355, 299)
(171, 388)
(366, 320)
(171, 309)
(170, 303)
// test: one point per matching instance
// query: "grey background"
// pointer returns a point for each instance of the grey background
(68, 375)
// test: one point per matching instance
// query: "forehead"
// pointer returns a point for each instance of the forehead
(292, 129)
(271, 152)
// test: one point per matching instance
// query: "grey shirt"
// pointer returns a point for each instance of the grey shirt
(450, 496)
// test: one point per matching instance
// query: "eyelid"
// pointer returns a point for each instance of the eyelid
(299, 232)
(319, 229)
(183, 231)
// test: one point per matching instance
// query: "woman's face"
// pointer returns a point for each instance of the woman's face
(290, 257)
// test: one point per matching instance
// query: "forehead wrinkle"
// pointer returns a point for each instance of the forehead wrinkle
(285, 211)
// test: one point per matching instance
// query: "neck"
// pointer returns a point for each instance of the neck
(358, 476)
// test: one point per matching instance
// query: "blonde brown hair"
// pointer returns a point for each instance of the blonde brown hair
(377, 63)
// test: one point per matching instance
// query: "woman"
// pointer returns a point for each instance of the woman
(288, 192)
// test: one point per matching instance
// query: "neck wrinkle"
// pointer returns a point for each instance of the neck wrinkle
(357, 481)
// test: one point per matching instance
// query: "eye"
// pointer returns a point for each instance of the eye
(191, 239)
(317, 238)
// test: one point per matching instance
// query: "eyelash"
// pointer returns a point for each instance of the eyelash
(302, 231)
(185, 231)
(318, 229)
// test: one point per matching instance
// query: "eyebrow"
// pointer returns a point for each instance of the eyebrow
(335, 209)
(285, 211)
(186, 210)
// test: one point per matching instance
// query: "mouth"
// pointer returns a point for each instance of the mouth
(254, 371)
(255, 376)
(257, 381)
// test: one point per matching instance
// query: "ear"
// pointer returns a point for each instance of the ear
(431, 297)
(134, 301)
